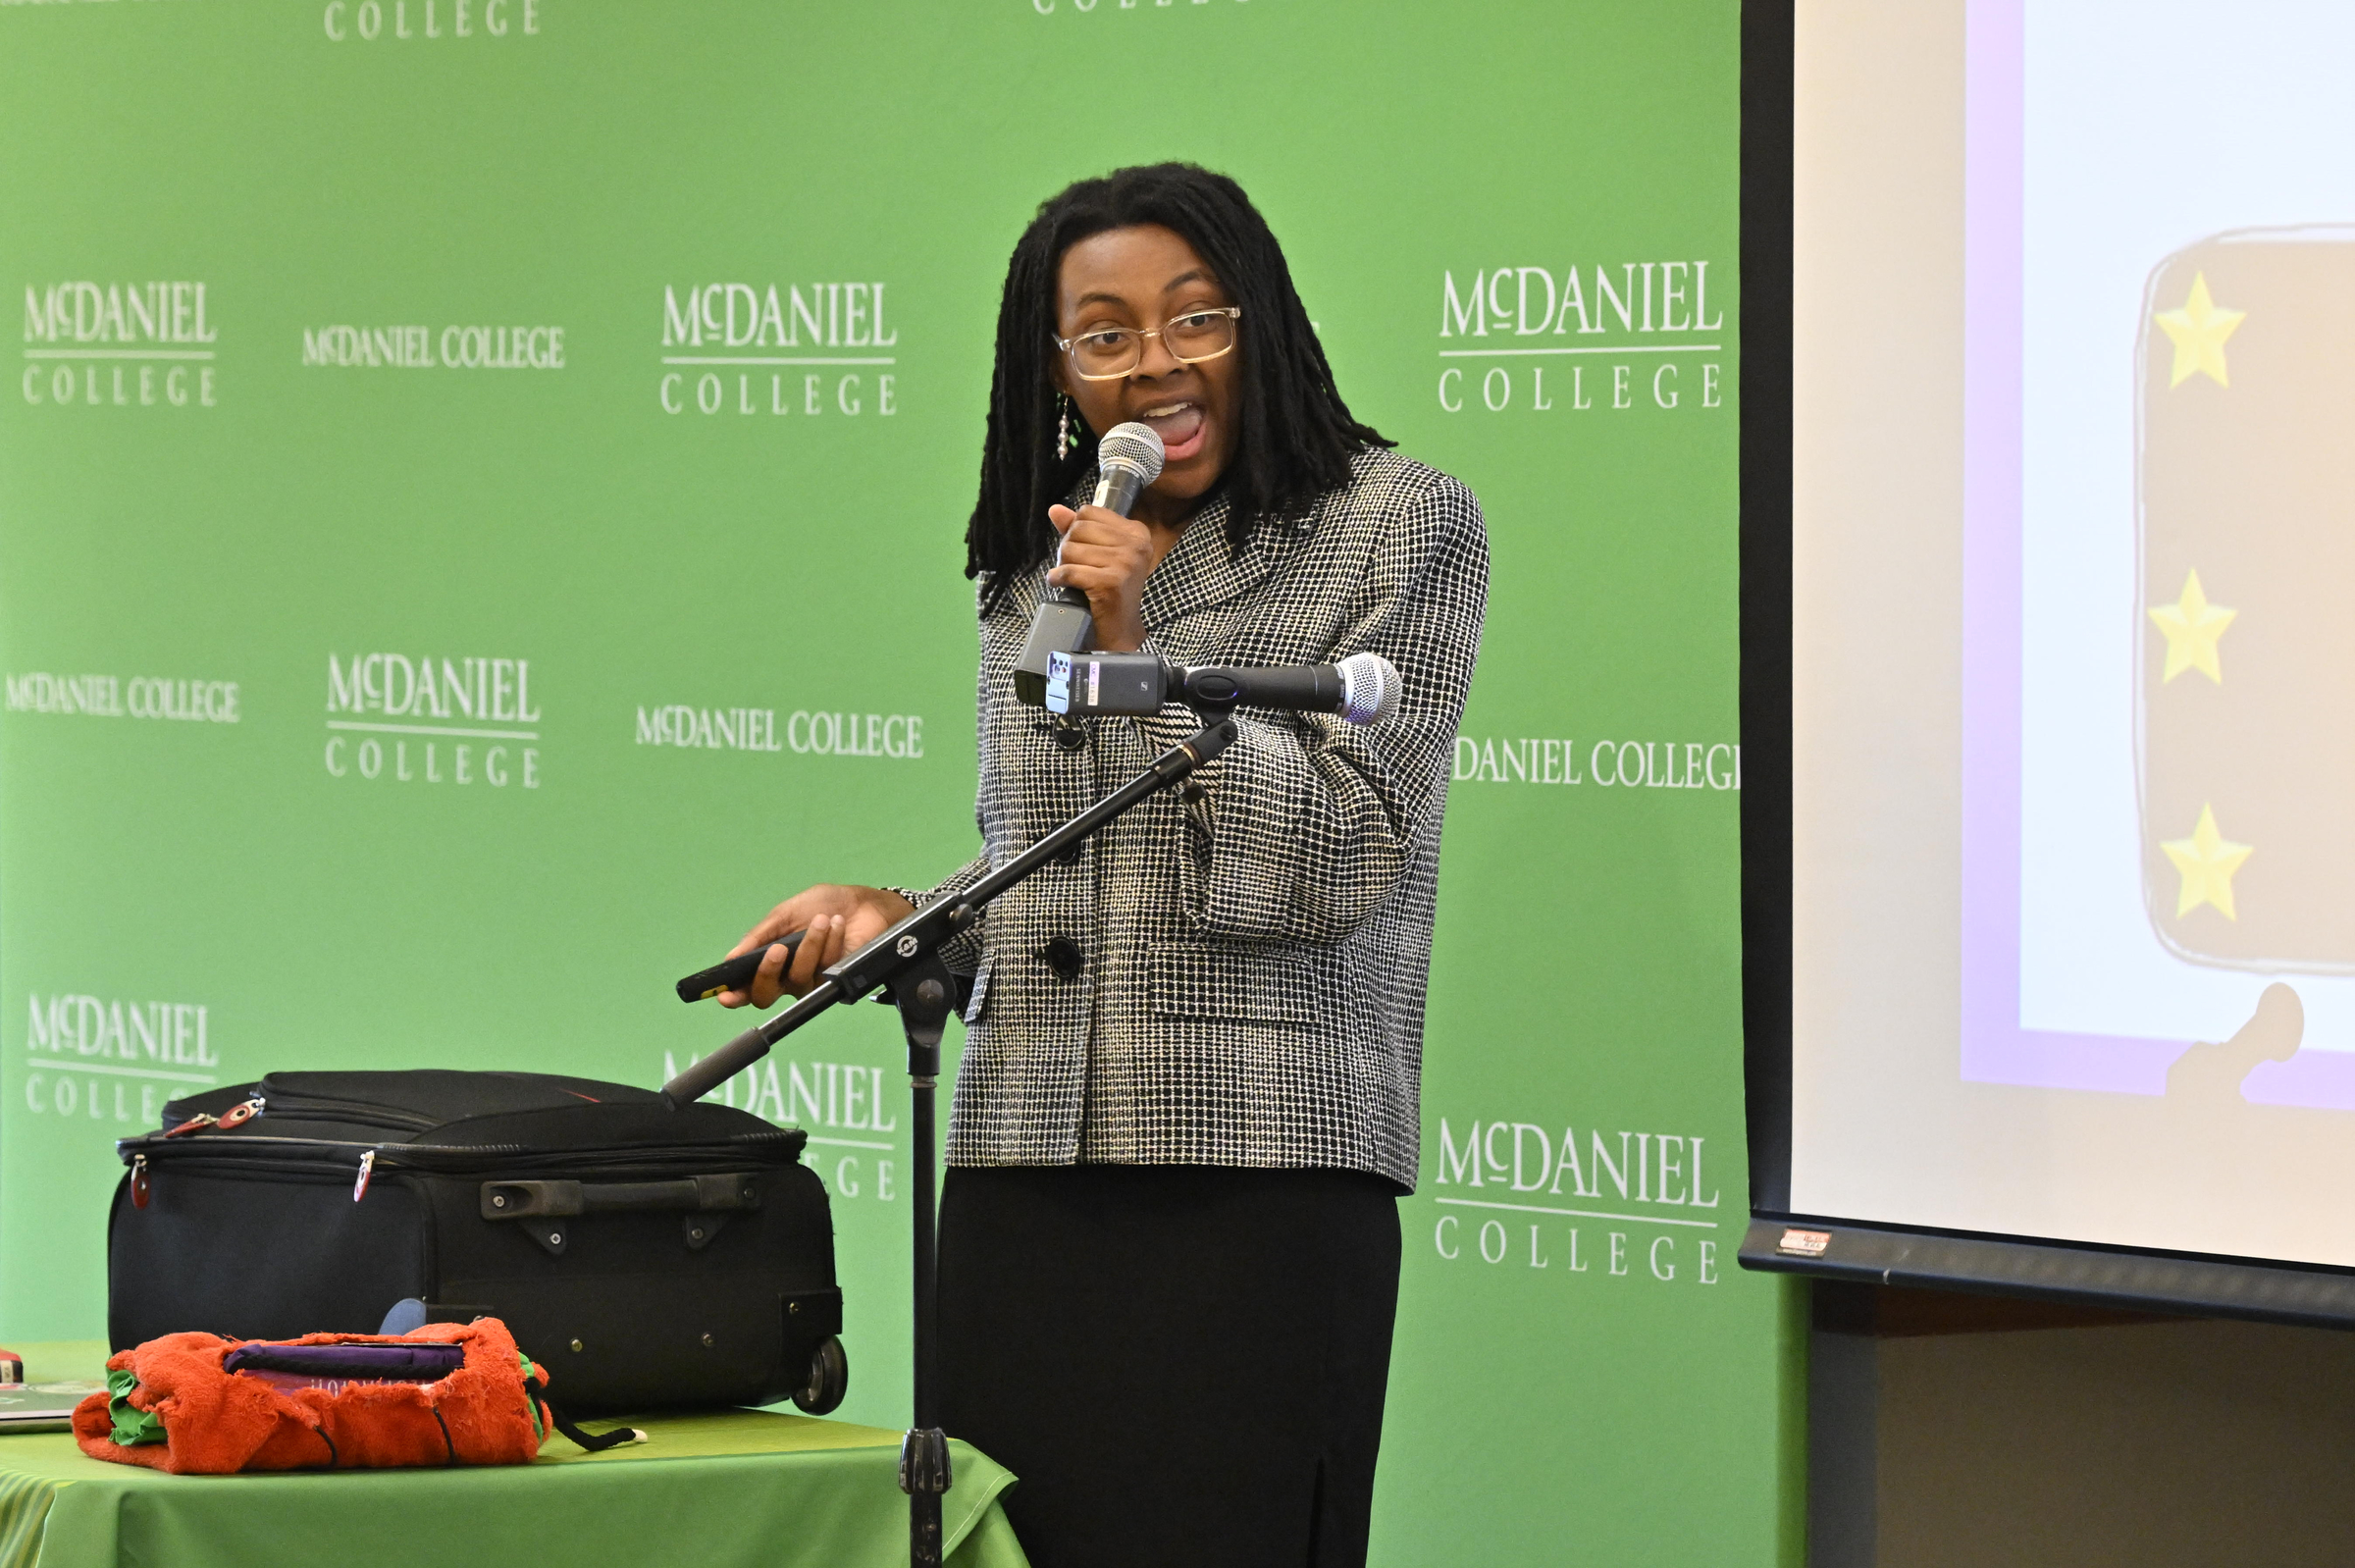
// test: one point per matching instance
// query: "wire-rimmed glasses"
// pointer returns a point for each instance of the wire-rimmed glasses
(1109, 352)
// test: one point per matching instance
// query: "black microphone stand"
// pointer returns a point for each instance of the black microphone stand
(904, 962)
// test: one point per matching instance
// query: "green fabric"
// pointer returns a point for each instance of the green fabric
(750, 1488)
(134, 1428)
(23, 1508)
(531, 1396)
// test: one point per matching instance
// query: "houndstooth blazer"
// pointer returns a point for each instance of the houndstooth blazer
(1238, 978)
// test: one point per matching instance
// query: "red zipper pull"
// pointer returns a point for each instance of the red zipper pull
(138, 1181)
(359, 1188)
(236, 1116)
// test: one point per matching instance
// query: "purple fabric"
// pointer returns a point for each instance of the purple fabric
(347, 1363)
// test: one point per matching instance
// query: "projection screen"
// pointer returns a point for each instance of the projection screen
(2072, 642)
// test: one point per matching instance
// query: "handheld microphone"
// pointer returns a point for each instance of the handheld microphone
(736, 974)
(1128, 457)
(1128, 460)
(1362, 688)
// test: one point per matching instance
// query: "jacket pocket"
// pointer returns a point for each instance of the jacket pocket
(1244, 987)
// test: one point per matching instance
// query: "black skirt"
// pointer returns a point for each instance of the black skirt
(1181, 1364)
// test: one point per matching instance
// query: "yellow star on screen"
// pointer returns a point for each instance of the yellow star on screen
(2199, 331)
(2192, 626)
(2207, 861)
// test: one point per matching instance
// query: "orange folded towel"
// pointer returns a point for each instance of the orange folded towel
(215, 1421)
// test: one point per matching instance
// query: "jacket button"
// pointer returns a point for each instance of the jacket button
(1062, 955)
(1070, 737)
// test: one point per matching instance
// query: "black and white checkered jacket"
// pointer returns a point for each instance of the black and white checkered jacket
(1238, 979)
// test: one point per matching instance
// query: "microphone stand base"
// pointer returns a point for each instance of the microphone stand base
(925, 1475)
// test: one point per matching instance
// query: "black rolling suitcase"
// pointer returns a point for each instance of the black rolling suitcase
(649, 1258)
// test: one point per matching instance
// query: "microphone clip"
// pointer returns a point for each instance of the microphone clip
(1097, 685)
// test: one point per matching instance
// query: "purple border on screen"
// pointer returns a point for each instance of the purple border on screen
(1994, 1048)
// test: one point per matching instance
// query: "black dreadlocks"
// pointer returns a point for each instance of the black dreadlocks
(1296, 436)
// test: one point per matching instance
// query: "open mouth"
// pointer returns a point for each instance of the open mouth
(1179, 426)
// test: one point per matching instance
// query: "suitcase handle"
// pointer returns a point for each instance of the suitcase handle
(534, 1200)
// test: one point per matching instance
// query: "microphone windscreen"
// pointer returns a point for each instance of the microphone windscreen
(1135, 447)
(1369, 688)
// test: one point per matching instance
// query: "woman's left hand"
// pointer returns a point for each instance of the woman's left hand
(1107, 558)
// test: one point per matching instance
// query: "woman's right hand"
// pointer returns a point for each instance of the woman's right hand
(838, 919)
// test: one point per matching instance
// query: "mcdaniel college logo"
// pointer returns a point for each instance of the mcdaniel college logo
(467, 721)
(801, 351)
(1637, 335)
(118, 344)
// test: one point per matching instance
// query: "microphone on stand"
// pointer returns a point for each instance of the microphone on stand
(1128, 457)
(1362, 688)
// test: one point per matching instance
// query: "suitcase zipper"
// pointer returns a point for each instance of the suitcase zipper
(440, 1159)
(235, 1117)
(463, 1159)
(346, 1111)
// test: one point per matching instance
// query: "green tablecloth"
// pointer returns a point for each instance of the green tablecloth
(728, 1488)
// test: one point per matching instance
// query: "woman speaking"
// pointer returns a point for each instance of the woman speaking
(1168, 1236)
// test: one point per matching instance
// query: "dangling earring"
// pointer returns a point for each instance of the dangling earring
(1063, 430)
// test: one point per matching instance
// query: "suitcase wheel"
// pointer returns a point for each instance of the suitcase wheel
(829, 1378)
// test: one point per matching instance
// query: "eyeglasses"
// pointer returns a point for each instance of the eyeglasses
(1111, 352)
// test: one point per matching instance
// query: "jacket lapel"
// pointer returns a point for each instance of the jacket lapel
(1201, 569)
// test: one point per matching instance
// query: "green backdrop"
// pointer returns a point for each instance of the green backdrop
(480, 511)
